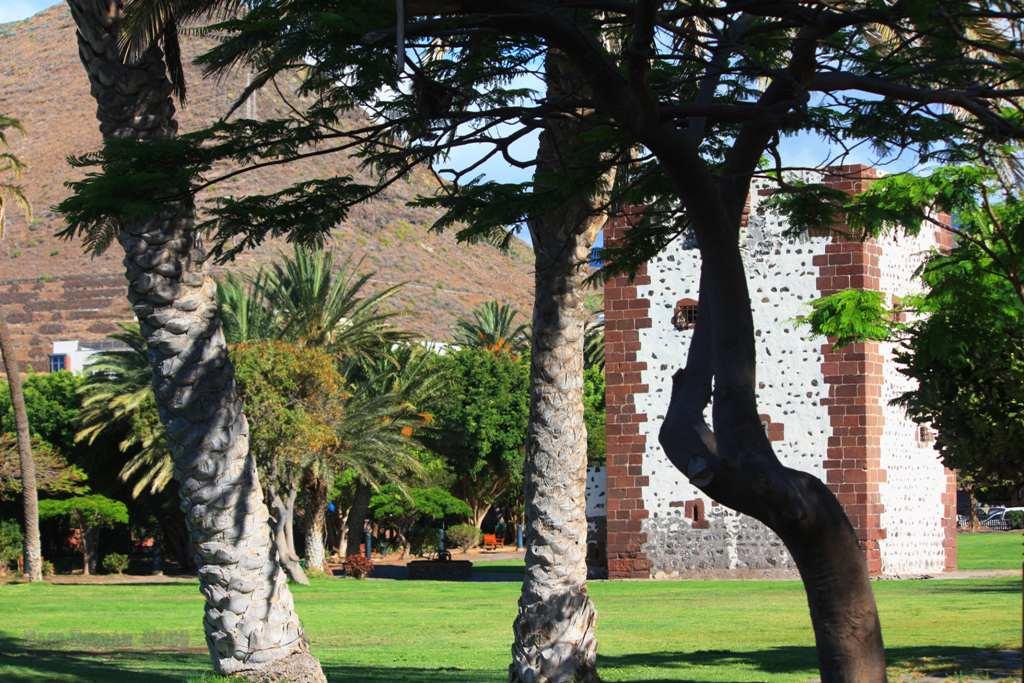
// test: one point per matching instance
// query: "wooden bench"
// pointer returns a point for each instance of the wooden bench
(491, 542)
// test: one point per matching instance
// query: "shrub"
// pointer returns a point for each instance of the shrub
(358, 566)
(115, 563)
(10, 543)
(1015, 519)
(464, 536)
(48, 568)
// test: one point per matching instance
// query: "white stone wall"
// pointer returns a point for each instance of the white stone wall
(782, 280)
(915, 479)
(596, 492)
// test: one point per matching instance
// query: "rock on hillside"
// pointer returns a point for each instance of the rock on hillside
(51, 290)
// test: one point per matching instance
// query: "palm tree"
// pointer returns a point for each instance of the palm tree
(29, 493)
(11, 165)
(306, 299)
(10, 168)
(318, 304)
(250, 620)
(117, 397)
(593, 342)
(555, 629)
(406, 379)
(494, 327)
(246, 314)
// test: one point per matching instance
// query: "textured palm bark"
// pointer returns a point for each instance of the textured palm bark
(251, 625)
(734, 463)
(316, 524)
(33, 552)
(555, 629)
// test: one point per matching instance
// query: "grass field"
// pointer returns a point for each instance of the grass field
(998, 550)
(427, 632)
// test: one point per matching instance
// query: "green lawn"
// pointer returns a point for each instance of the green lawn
(381, 631)
(990, 550)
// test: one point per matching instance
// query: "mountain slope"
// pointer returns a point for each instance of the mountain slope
(53, 291)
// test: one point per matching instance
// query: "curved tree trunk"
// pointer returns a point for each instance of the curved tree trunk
(357, 519)
(33, 552)
(554, 630)
(250, 621)
(283, 514)
(316, 524)
(735, 463)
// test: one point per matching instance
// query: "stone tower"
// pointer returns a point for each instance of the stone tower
(827, 412)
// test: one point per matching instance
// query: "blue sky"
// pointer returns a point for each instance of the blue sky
(12, 10)
(803, 150)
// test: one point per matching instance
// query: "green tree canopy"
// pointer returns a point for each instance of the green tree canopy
(85, 512)
(53, 406)
(594, 413)
(480, 423)
(54, 475)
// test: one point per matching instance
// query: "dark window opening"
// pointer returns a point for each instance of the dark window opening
(685, 315)
(58, 362)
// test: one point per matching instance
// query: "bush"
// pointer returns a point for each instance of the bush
(48, 568)
(115, 563)
(1015, 519)
(358, 566)
(464, 536)
(10, 543)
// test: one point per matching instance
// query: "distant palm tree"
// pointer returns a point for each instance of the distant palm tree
(117, 397)
(320, 304)
(593, 342)
(10, 168)
(407, 379)
(245, 312)
(493, 327)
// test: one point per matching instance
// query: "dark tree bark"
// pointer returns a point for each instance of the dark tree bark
(252, 629)
(734, 463)
(90, 536)
(554, 631)
(357, 519)
(33, 552)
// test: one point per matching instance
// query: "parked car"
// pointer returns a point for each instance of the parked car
(997, 519)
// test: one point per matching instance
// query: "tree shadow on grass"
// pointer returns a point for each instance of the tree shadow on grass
(364, 674)
(23, 660)
(940, 661)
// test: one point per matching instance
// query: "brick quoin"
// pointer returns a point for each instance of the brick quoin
(853, 375)
(625, 315)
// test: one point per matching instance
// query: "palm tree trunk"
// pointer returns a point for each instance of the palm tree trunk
(555, 628)
(29, 495)
(357, 518)
(251, 625)
(316, 524)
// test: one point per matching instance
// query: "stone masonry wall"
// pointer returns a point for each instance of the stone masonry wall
(825, 411)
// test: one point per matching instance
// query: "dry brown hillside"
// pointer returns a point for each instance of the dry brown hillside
(51, 290)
